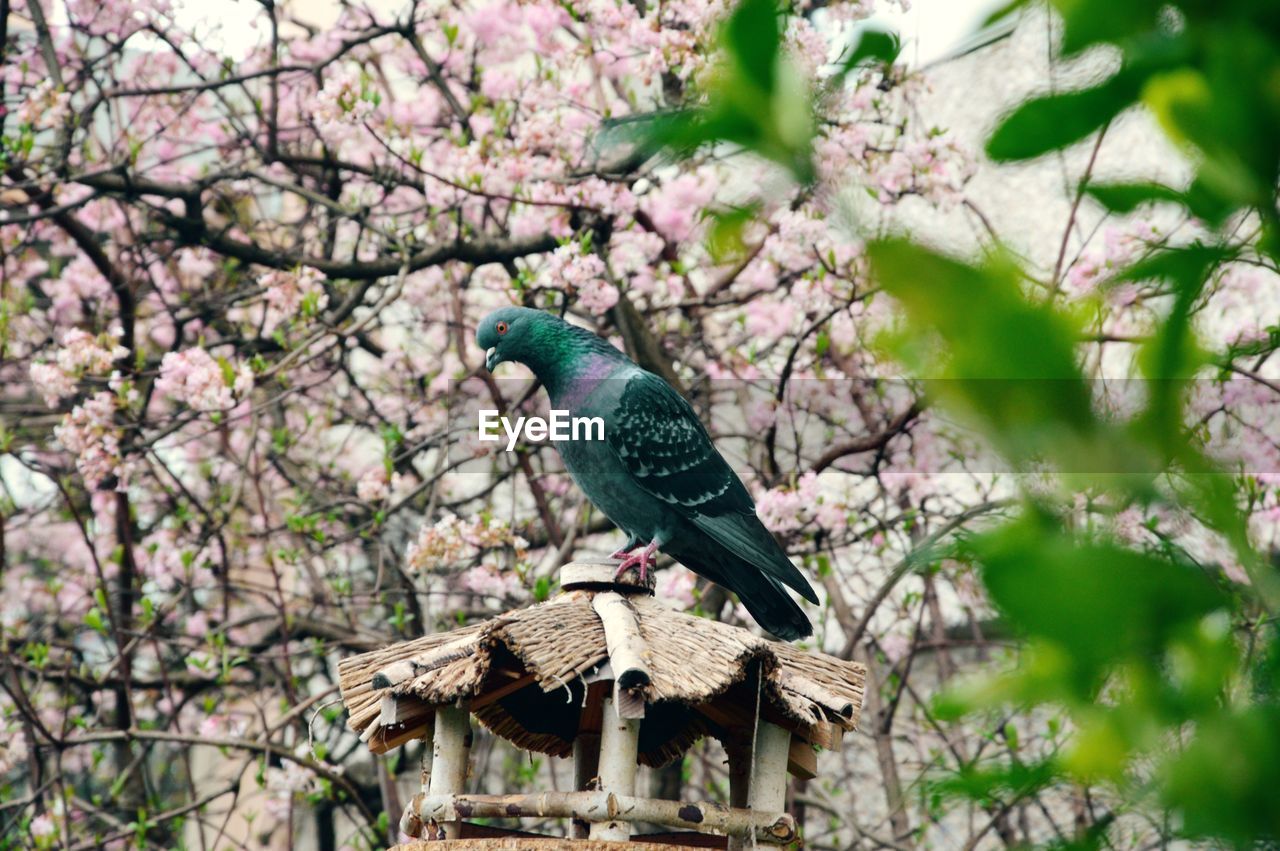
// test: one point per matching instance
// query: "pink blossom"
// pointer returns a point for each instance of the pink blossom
(676, 585)
(373, 485)
(896, 646)
(204, 383)
(45, 107)
(488, 581)
(934, 167)
(52, 383)
(292, 295)
(675, 207)
(42, 827)
(768, 320)
(761, 415)
(284, 783)
(78, 282)
(341, 103)
(788, 509)
(197, 625)
(82, 353)
(89, 432)
(597, 296)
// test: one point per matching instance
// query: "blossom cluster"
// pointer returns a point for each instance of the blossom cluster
(203, 382)
(452, 541)
(583, 274)
(292, 295)
(80, 355)
(789, 509)
(92, 436)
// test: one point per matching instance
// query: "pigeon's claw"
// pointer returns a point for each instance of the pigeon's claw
(642, 560)
(622, 552)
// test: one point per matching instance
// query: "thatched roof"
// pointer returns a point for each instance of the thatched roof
(525, 675)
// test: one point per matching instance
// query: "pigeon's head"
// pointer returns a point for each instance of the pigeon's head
(513, 334)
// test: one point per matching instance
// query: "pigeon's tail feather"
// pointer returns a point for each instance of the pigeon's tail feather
(772, 607)
(745, 537)
(764, 597)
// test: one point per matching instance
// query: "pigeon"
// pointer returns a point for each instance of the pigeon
(656, 474)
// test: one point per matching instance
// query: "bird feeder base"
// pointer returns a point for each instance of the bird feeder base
(603, 576)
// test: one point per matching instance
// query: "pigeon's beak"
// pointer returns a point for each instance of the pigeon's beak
(491, 359)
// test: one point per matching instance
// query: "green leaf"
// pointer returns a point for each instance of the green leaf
(1055, 121)
(1127, 197)
(755, 98)
(1224, 784)
(542, 589)
(1100, 603)
(725, 236)
(753, 38)
(1089, 22)
(1004, 11)
(1172, 357)
(997, 357)
(872, 47)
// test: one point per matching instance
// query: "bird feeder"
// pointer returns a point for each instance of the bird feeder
(607, 675)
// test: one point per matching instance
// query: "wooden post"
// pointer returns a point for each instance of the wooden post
(768, 791)
(450, 753)
(586, 764)
(586, 749)
(619, 745)
(740, 767)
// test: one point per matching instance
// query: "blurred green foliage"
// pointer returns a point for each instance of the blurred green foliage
(1207, 71)
(755, 97)
(1167, 671)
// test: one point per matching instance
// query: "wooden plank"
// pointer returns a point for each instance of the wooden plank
(802, 759)
(499, 692)
(735, 718)
(684, 839)
(386, 740)
(586, 750)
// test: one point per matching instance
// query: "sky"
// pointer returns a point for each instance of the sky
(933, 29)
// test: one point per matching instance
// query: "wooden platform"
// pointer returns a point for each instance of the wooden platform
(520, 843)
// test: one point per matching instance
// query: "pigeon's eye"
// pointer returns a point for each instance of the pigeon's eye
(501, 327)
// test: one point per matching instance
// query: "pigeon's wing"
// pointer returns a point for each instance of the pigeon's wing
(666, 449)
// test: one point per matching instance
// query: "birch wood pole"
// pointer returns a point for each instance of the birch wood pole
(768, 792)
(704, 816)
(628, 654)
(450, 752)
(619, 745)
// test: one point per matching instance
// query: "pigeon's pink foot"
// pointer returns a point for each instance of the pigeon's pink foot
(643, 560)
(621, 554)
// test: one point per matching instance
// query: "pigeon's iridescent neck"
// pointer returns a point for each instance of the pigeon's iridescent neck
(570, 387)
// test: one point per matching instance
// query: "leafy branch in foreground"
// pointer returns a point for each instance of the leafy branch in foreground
(1164, 666)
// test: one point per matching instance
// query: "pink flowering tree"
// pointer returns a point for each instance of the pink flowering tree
(237, 308)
